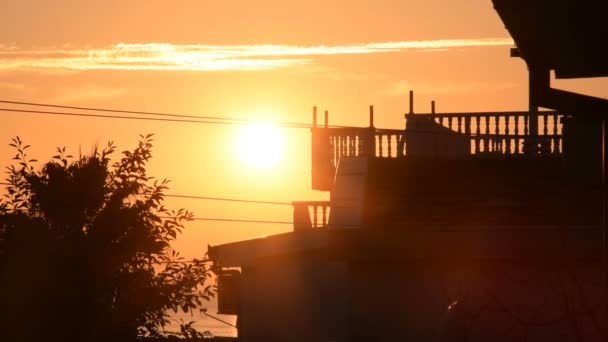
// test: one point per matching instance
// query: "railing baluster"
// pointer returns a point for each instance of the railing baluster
(347, 145)
(324, 208)
(477, 130)
(555, 137)
(516, 134)
(488, 134)
(346, 141)
(338, 148)
(349, 151)
(487, 121)
(546, 146)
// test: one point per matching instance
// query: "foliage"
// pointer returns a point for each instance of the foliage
(85, 250)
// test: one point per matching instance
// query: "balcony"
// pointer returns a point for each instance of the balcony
(310, 215)
(439, 136)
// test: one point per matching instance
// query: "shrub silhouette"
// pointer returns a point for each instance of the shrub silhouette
(85, 250)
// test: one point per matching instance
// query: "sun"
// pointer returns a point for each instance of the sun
(260, 145)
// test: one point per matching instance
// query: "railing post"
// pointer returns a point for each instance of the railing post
(324, 208)
(301, 217)
(323, 152)
(538, 79)
(411, 102)
(477, 134)
(304, 219)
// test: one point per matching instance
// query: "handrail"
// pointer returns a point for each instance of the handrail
(310, 214)
(507, 133)
(452, 135)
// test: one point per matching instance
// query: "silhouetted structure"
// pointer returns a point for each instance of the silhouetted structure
(463, 226)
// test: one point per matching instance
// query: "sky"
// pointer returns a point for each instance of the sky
(256, 60)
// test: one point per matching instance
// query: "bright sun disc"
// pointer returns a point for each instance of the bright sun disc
(260, 145)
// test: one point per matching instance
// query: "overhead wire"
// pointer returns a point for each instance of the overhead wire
(185, 118)
(193, 121)
(227, 121)
(118, 110)
(209, 198)
(173, 117)
(228, 199)
(221, 219)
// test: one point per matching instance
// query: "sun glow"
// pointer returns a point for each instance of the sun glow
(260, 145)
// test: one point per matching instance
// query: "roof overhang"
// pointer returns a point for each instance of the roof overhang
(566, 36)
(247, 252)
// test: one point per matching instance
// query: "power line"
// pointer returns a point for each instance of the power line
(216, 198)
(415, 228)
(136, 112)
(119, 111)
(216, 219)
(229, 199)
(225, 121)
(285, 125)
(200, 119)
(237, 220)
(219, 319)
(183, 118)
(188, 118)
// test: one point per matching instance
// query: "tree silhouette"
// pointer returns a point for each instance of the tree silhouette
(85, 250)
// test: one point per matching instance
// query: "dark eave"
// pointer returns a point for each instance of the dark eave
(242, 253)
(567, 36)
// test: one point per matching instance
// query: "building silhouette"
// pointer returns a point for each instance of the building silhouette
(459, 227)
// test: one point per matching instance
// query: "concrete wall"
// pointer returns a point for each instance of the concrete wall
(294, 299)
(492, 302)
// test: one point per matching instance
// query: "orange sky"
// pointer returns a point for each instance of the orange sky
(249, 59)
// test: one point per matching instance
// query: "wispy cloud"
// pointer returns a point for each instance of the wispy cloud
(194, 57)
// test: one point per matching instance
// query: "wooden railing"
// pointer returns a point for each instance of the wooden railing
(310, 214)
